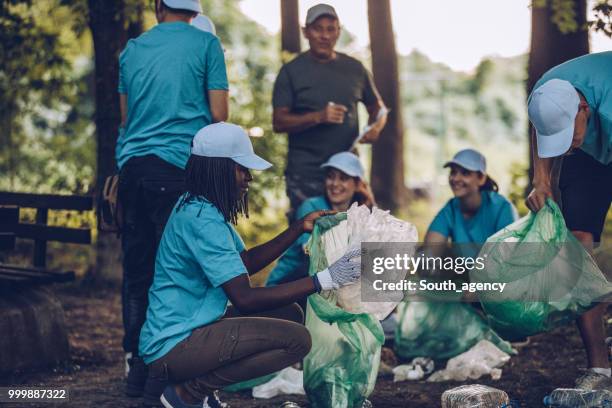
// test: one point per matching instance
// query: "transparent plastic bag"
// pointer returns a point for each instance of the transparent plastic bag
(441, 330)
(363, 225)
(482, 359)
(341, 368)
(551, 279)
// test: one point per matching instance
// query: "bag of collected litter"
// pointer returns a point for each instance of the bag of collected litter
(363, 225)
(551, 279)
(475, 396)
(341, 368)
(441, 330)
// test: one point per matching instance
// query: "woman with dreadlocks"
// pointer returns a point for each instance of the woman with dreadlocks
(189, 339)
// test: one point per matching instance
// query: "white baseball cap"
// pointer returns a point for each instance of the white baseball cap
(227, 140)
(346, 162)
(552, 110)
(319, 10)
(191, 5)
(204, 23)
(469, 159)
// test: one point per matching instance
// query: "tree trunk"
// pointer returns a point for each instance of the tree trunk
(110, 32)
(551, 47)
(388, 153)
(290, 28)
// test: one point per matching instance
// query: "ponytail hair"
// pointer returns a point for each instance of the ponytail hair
(489, 185)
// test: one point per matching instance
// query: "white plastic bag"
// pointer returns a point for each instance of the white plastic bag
(288, 381)
(360, 226)
(482, 359)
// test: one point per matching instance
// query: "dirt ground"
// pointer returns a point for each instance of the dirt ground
(95, 376)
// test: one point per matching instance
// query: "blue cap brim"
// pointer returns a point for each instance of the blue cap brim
(252, 162)
(465, 166)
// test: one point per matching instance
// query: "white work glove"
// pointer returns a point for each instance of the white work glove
(342, 272)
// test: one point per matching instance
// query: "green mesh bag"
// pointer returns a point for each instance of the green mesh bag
(341, 368)
(441, 330)
(551, 279)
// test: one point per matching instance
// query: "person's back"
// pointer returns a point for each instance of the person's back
(592, 76)
(172, 82)
(165, 73)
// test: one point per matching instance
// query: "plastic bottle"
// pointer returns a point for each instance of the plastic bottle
(575, 398)
(475, 395)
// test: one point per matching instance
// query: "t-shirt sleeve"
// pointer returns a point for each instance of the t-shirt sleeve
(122, 86)
(216, 73)
(217, 252)
(507, 215)
(369, 93)
(442, 222)
(282, 95)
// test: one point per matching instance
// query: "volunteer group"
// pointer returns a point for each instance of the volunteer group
(184, 178)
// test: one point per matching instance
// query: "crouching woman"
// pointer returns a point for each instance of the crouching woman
(189, 337)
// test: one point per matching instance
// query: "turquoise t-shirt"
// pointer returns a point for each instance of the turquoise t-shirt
(199, 251)
(166, 73)
(294, 262)
(591, 74)
(495, 213)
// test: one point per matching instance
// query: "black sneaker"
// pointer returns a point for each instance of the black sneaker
(213, 401)
(153, 389)
(136, 377)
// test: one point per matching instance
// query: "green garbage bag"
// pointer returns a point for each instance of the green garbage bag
(551, 279)
(341, 369)
(441, 330)
(248, 384)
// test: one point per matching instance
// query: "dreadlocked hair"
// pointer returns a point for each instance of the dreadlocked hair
(214, 178)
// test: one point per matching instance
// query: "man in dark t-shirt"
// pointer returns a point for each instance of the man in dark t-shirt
(315, 101)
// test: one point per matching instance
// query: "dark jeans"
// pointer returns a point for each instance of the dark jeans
(235, 348)
(148, 189)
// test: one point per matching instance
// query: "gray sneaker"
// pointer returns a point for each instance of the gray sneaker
(591, 380)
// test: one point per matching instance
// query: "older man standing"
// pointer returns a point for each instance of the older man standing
(315, 102)
(571, 111)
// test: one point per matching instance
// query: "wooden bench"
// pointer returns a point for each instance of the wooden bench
(40, 232)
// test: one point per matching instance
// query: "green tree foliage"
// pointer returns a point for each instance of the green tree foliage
(565, 18)
(44, 130)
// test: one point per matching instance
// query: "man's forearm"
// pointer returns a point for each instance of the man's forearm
(287, 122)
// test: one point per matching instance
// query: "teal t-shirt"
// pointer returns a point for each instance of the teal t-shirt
(166, 73)
(199, 251)
(591, 74)
(495, 213)
(294, 262)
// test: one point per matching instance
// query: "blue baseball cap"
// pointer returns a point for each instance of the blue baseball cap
(191, 5)
(346, 162)
(204, 23)
(552, 110)
(469, 159)
(227, 140)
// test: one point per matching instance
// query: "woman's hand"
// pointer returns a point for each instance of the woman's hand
(309, 219)
(342, 272)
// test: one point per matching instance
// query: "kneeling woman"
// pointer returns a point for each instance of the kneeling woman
(344, 185)
(188, 338)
